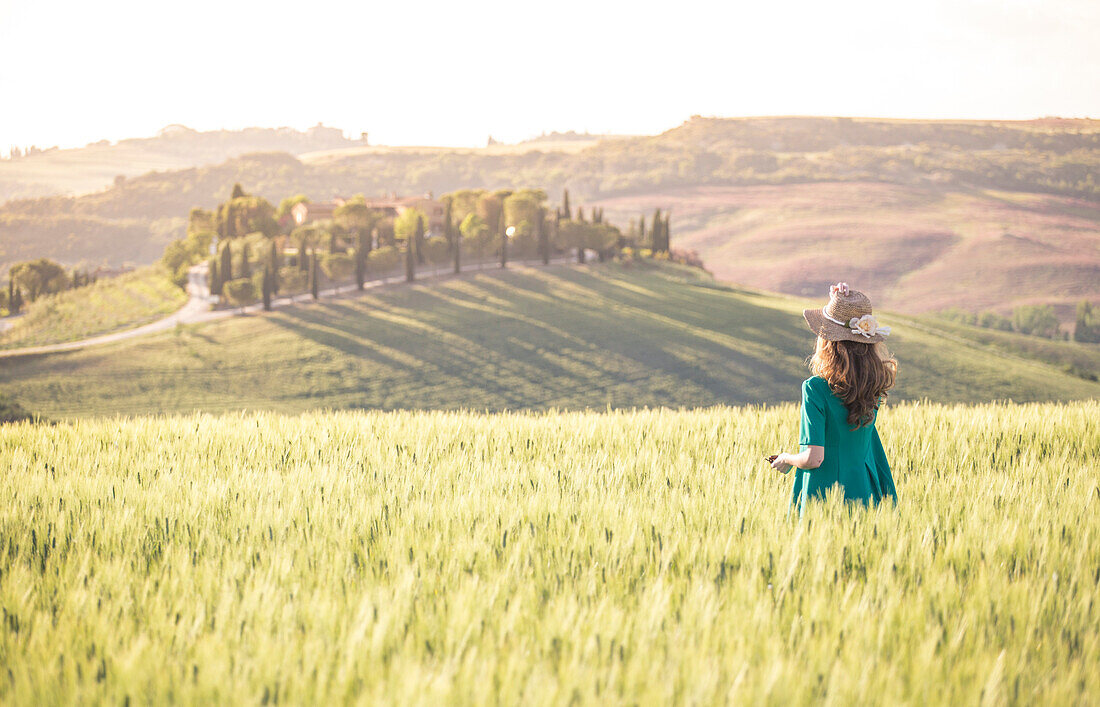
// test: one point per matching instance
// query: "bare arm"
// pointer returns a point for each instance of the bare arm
(809, 458)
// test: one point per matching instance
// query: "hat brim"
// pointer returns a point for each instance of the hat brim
(831, 331)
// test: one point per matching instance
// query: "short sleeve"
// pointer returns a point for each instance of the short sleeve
(812, 430)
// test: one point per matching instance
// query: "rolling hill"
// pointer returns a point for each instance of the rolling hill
(978, 215)
(918, 248)
(565, 337)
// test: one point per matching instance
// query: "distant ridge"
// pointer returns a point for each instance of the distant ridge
(97, 165)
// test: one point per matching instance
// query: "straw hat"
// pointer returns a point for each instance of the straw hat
(847, 317)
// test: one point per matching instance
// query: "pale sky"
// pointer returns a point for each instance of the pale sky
(453, 73)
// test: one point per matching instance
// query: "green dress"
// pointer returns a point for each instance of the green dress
(854, 459)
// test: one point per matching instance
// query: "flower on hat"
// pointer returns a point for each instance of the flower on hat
(840, 288)
(868, 326)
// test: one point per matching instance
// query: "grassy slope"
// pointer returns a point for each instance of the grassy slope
(109, 305)
(635, 558)
(566, 337)
(1033, 156)
(919, 248)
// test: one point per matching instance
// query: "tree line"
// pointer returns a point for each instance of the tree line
(1035, 320)
(254, 250)
(30, 280)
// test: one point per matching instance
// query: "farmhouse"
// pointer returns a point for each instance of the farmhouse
(390, 205)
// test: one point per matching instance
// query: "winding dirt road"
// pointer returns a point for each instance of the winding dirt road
(199, 307)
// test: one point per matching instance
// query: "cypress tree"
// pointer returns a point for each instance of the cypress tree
(503, 242)
(419, 236)
(557, 228)
(458, 252)
(448, 226)
(566, 213)
(238, 192)
(225, 272)
(1086, 328)
(273, 265)
(544, 236)
(361, 260)
(665, 234)
(641, 231)
(655, 231)
(267, 287)
(15, 304)
(246, 267)
(410, 259)
(11, 296)
(215, 283)
(580, 214)
(314, 286)
(331, 243)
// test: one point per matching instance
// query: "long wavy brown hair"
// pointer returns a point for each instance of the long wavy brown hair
(859, 374)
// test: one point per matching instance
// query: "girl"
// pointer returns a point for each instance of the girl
(852, 373)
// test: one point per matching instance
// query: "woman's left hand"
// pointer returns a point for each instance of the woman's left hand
(781, 464)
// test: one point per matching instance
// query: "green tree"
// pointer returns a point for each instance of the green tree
(475, 233)
(305, 237)
(362, 250)
(385, 232)
(522, 209)
(246, 266)
(543, 231)
(410, 261)
(355, 217)
(436, 250)
(456, 252)
(225, 268)
(314, 277)
(384, 260)
(15, 304)
(448, 224)
(240, 292)
(1087, 325)
(39, 277)
(273, 266)
(490, 209)
(409, 229)
(463, 203)
(566, 213)
(238, 192)
(212, 275)
(418, 237)
(245, 214)
(268, 287)
(337, 267)
(1037, 320)
(655, 232)
(181, 254)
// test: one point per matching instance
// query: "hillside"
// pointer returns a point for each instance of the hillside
(564, 337)
(917, 248)
(546, 559)
(1006, 210)
(98, 165)
(108, 305)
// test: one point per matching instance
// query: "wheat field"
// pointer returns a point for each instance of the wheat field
(546, 558)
